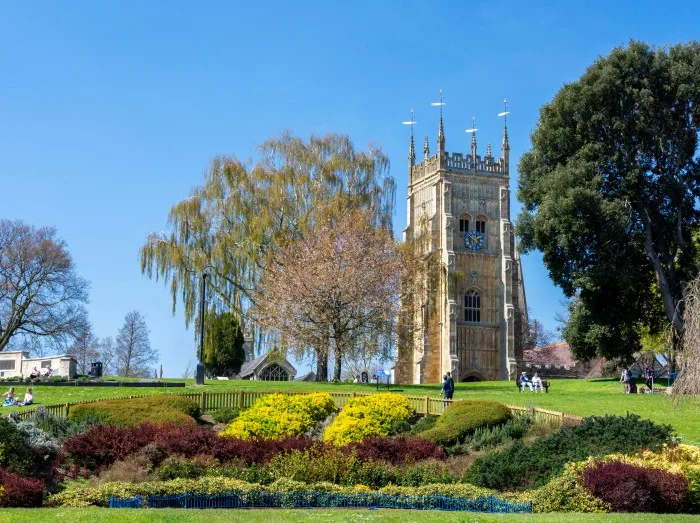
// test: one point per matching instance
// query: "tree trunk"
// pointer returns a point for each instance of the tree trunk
(669, 300)
(337, 367)
(322, 367)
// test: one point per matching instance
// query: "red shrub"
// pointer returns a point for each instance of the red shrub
(397, 451)
(629, 488)
(104, 444)
(20, 491)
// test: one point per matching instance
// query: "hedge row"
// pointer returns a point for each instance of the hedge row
(130, 412)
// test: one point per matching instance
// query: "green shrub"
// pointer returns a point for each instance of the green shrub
(226, 415)
(400, 427)
(15, 453)
(426, 422)
(462, 418)
(511, 430)
(129, 412)
(178, 467)
(276, 415)
(368, 416)
(525, 466)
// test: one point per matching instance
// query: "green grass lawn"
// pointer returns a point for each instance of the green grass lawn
(580, 397)
(320, 515)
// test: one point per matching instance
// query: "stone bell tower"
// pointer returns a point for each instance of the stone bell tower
(467, 318)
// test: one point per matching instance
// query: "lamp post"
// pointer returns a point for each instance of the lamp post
(199, 376)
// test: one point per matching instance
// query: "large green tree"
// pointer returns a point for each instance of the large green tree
(610, 191)
(229, 226)
(223, 345)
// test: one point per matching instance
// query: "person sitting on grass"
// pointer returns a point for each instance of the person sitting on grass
(28, 397)
(524, 380)
(537, 382)
(9, 398)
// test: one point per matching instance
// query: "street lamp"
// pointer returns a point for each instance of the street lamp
(199, 377)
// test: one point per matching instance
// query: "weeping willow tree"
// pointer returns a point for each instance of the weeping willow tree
(230, 225)
(688, 382)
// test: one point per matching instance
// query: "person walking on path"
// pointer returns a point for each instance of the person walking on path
(448, 388)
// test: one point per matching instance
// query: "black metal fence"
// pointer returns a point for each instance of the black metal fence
(488, 504)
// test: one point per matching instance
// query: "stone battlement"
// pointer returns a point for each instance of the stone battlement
(460, 163)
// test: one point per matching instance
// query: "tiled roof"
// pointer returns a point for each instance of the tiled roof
(552, 354)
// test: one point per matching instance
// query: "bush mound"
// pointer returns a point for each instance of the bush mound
(523, 466)
(462, 418)
(368, 416)
(161, 408)
(678, 459)
(276, 415)
(18, 491)
(631, 488)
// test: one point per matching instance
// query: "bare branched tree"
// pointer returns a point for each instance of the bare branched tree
(335, 290)
(86, 349)
(107, 355)
(534, 333)
(189, 371)
(41, 296)
(133, 352)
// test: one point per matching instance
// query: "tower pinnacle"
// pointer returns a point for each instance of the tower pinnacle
(426, 147)
(411, 145)
(441, 129)
(474, 130)
(505, 147)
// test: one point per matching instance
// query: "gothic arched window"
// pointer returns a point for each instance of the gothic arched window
(472, 306)
(464, 222)
(481, 223)
(273, 372)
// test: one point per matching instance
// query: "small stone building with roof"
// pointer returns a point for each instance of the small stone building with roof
(267, 367)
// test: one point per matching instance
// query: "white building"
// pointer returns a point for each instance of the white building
(18, 363)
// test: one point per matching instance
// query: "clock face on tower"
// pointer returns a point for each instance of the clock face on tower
(474, 240)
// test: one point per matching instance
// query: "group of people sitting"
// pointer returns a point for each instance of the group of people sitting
(533, 383)
(36, 373)
(9, 398)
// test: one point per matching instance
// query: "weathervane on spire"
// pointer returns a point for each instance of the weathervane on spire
(439, 104)
(441, 130)
(411, 122)
(504, 114)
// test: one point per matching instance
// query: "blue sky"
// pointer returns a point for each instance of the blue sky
(111, 111)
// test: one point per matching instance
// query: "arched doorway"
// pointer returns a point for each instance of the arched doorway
(273, 372)
(473, 375)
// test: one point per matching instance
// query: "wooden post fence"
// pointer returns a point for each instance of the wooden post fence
(212, 401)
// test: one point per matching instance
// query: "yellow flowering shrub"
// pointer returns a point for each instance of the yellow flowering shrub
(368, 416)
(276, 415)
